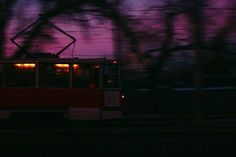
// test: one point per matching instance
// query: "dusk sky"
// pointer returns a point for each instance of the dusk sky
(99, 40)
(92, 46)
(97, 43)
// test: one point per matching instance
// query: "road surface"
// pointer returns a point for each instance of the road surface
(131, 136)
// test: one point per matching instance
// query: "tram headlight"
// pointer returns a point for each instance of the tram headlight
(114, 61)
(96, 66)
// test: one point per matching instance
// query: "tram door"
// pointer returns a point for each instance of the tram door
(112, 91)
(85, 94)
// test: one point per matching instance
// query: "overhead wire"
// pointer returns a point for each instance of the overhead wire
(162, 8)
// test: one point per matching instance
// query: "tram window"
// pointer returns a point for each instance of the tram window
(85, 76)
(20, 75)
(1, 75)
(54, 75)
(111, 76)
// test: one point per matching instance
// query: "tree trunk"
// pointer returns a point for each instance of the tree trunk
(197, 15)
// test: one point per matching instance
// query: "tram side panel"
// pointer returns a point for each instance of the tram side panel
(85, 104)
(85, 98)
(50, 97)
(31, 98)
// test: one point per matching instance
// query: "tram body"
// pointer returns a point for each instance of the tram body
(83, 88)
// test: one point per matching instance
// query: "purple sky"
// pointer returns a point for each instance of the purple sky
(100, 41)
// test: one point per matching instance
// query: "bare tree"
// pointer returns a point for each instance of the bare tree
(6, 10)
(102, 10)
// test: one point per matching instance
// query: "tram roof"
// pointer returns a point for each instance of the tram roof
(57, 60)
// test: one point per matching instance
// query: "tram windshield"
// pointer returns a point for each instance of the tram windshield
(111, 76)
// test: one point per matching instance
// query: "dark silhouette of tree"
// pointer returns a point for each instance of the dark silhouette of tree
(199, 44)
(218, 44)
(6, 10)
(102, 10)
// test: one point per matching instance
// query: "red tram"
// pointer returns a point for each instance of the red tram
(83, 88)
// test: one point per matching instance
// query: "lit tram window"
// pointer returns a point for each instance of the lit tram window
(62, 65)
(62, 68)
(25, 65)
(85, 76)
(20, 75)
(54, 75)
(75, 66)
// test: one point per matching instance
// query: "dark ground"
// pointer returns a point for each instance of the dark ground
(134, 135)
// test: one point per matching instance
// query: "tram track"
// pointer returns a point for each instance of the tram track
(123, 126)
(128, 137)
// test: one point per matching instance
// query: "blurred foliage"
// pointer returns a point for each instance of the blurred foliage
(186, 43)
